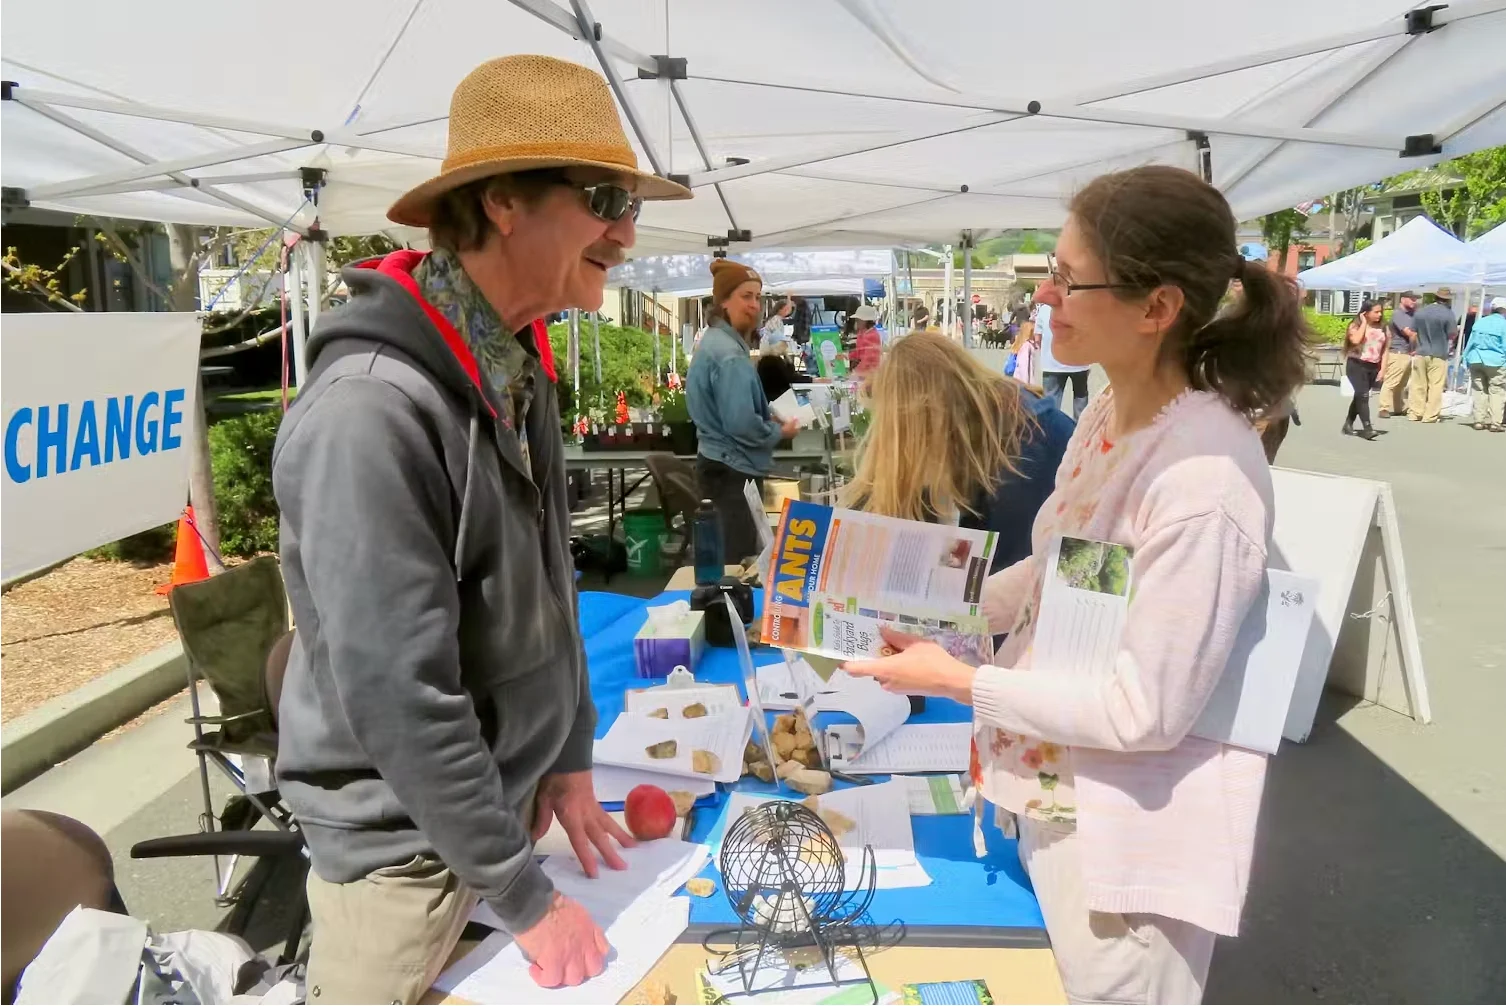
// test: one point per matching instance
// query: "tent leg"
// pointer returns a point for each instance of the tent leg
(949, 308)
(967, 289)
(294, 280)
(315, 281)
(895, 316)
(596, 345)
(574, 352)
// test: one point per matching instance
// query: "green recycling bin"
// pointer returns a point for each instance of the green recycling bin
(644, 534)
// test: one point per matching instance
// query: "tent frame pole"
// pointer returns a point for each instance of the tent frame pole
(586, 25)
(700, 146)
(1351, 81)
(574, 352)
(967, 289)
(294, 280)
(197, 191)
(595, 346)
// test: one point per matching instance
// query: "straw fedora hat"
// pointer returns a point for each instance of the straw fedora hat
(519, 113)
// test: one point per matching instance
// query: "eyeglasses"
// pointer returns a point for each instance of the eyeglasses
(1068, 288)
(610, 202)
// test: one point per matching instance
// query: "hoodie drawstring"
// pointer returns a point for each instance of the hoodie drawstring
(465, 495)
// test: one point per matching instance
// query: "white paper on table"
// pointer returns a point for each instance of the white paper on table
(872, 810)
(717, 699)
(782, 685)
(879, 714)
(655, 871)
(724, 735)
(916, 747)
(614, 782)
(787, 407)
(496, 971)
(1084, 597)
(1248, 707)
(934, 794)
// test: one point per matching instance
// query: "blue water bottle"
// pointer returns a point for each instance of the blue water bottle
(706, 534)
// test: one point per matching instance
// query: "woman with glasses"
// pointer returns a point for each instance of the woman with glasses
(1138, 836)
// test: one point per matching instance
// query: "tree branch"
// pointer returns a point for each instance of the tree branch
(244, 312)
(38, 290)
(252, 343)
(122, 249)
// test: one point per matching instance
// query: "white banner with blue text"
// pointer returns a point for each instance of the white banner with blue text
(99, 411)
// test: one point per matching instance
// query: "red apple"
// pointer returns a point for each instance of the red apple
(650, 813)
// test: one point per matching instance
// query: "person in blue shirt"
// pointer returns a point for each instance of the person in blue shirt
(1485, 355)
(734, 428)
(952, 440)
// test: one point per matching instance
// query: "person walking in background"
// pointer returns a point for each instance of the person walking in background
(1486, 358)
(1436, 328)
(1364, 356)
(736, 432)
(1055, 374)
(1403, 343)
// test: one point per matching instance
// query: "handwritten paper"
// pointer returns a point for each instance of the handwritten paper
(613, 783)
(915, 747)
(723, 734)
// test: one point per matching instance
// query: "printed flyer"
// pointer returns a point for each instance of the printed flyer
(839, 576)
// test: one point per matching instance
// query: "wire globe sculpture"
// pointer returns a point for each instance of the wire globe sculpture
(784, 873)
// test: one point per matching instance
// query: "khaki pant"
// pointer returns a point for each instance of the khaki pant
(1394, 384)
(1426, 399)
(1104, 957)
(384, 938)
(1487, 387)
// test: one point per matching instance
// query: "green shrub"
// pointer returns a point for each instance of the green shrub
(1330, 328)
(240, 451)
(150, 546)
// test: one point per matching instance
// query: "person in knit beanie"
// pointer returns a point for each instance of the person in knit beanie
(735, 430)
(736, 295)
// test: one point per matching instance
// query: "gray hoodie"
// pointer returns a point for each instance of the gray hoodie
(437, 673)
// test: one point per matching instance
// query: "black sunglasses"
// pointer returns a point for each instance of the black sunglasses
(610, 202)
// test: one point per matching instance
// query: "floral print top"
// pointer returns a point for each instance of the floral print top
(511, 369)
(1025, 775)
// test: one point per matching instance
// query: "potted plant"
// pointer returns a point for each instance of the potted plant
(674, 416)
(620, 435)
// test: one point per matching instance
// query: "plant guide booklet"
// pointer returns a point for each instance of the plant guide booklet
(838, 576)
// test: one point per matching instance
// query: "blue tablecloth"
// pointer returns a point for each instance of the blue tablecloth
(966, 892)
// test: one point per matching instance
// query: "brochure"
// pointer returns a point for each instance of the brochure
(1085, 600)
(839, 576)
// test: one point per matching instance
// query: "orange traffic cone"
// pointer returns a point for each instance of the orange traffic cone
(188, 563)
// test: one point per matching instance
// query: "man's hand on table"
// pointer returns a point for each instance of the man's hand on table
(565, 947)
(571, 797)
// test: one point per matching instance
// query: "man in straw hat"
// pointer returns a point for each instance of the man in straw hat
(436, 714)
(1436, 329)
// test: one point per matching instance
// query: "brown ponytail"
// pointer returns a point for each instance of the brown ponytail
(1159, 225)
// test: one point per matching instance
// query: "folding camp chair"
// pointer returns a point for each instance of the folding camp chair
(679, 493)
(284, 841)
(228, 625)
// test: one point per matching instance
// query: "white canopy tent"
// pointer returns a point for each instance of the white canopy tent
(1418, 256)
(836, 122)
(683, 274)
(1491, 248)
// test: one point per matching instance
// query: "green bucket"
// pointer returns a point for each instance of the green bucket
(644, 534)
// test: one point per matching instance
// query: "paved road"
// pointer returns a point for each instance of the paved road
(1380, 872)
